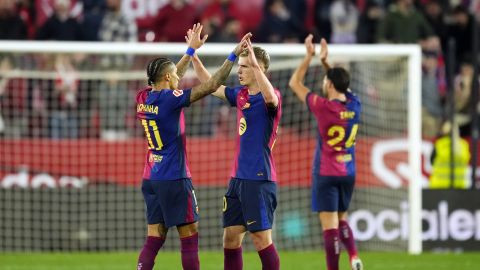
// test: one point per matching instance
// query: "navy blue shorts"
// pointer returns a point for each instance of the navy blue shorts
(250, 203)
(171, 203)
(332, 193)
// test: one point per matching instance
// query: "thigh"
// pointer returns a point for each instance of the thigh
(152, 203)
(259, 201)
(346, 186)
(178, 202)
(325, 194)
(232, 209)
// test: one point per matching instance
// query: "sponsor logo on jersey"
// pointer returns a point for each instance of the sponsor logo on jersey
(344, 158)
(242, 126)
(155, 158)
(177, 92)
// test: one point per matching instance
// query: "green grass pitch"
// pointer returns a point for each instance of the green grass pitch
(214, 261)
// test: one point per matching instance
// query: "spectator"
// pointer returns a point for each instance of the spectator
(278, 24)
(461, 31)
(228, 33)
(322, 18)
(463, 101)
(434, 14)
(93, 12)
(298, 11)
(116, 27)
(173, 20)
(218, 13)
(63, 100)
(432, 109)
(403, 23)
(113, 103)
(368, 22)
(441, 159)
(60, 26)
(11, 25)
(344, 20)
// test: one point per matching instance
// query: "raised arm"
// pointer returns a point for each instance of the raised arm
(214, 83)
(296, 81)
(264, 84)
(194, 42)
(203, 74)
(324, 54)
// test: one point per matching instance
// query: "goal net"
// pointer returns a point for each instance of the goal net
(72, 152)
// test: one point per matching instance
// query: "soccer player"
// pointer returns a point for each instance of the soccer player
(167, 187)
(337, 116)
(250, 200)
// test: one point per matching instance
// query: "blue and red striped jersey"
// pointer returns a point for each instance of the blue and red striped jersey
(337, 124)
(257, 131)
(161, 115)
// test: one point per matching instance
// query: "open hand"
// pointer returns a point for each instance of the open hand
(251, 54)
(242, 44)
(309, 45)
(193, 37)
(323, 50)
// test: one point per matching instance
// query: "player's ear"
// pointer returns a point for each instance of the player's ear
(168, 76)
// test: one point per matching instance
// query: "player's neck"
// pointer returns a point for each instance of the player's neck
(160, 86)
(253, 89)
(334, 95)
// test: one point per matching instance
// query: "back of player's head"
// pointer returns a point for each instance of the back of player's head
(260, 54)
(157, 68)
(339, 78)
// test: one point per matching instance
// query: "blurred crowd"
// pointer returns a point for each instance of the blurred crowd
(430, 23)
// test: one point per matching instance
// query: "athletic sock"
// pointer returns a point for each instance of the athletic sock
(332, 250)
(189, 247)
(269, 257)
(152, 245)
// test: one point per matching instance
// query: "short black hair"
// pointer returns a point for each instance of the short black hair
(156, 68)
(340, 78)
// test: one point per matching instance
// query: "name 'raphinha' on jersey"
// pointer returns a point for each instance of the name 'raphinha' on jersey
(147, 108)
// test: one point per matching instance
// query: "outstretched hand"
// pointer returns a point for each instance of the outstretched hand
(309, 45)
(242, 44)
(193, 37)
(323, 50)
(251, 54)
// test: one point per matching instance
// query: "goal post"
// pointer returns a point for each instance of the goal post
(292, 150)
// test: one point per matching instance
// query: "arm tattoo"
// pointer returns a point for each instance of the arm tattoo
(213, 83)
(182, 65)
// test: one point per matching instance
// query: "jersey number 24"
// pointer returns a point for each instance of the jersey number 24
(337, 134)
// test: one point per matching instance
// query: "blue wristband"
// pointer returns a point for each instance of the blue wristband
(190, 51)
(232, 57)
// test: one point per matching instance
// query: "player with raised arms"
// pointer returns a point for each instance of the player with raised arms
(250, 200)
(337, 115)
(167, 187)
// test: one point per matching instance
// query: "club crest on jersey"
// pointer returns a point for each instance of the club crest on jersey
(177, 92)
(246, 106)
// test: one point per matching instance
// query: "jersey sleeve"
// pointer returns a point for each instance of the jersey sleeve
(179, 98)
(231, 95)
(279, 105)
(315, 103)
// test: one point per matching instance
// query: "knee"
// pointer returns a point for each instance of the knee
(157, 230)
(261, 240)
(231, 240)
